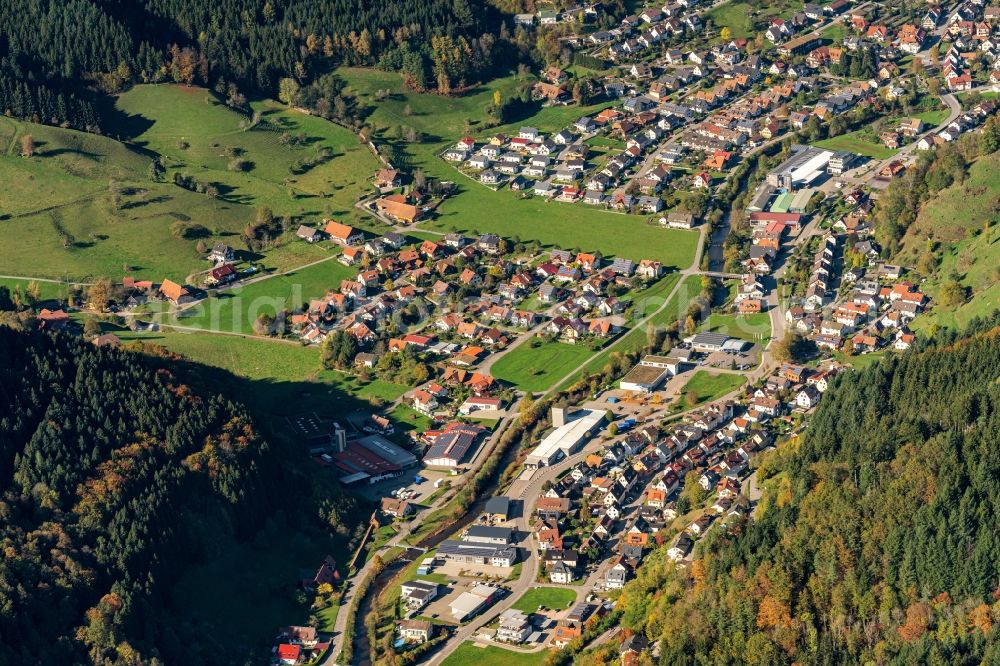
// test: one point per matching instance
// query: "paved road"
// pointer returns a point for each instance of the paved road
(340, 625)
(528, 491)
(693, 269)
(529, 488)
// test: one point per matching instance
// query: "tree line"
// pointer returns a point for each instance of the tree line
(877, 542)
(117, 476)
(58, 58)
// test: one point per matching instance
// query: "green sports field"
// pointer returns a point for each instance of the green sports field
(708, 387)
(533, 368)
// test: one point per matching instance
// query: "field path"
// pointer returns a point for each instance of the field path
(29, 278)
(693, 269)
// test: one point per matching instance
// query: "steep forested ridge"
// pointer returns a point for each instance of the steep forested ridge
(53, 53)
(878, 543)
(115, 476)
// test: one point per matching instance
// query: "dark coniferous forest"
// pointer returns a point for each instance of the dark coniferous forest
(116, 476)
(57, 57)
(879, 542)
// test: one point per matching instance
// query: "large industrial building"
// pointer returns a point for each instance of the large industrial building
(650, 373)
(806, 165)
(571, 431)
(452, 445)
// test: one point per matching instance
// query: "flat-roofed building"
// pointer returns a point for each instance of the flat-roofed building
(643, 378)
(569, 435)
(497, 536)
(803, 168)
(469, 603)
(388, 451)
(469, 552)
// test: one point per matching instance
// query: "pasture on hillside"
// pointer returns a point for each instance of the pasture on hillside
(477, 209)
(85, 206)
(295, 163)
(278, 378)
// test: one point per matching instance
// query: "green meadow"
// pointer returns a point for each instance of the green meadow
(533, 369)
(477, 209)
(85, 205)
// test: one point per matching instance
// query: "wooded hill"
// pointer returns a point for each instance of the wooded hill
(116, 476)
(54, 54)
(876, 542)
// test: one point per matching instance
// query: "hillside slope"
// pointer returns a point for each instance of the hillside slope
(959, 225)
(85, 206)
(117, 479)
(876, 541)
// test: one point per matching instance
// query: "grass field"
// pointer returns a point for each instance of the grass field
(61, 219)
(708, 387)
(736, 15)
(85, 206)
(933, 118)
(443, 120)
(478, 210)
(860, 142)
(196, 133)
(746, 327)
(954, 220)
(407, 418)
(468, 654)
(835, 32)
(46, 290)
(235, 310)
(278, 378)
(861, 361)
(732, 15)
(558, 598)
(534, 369)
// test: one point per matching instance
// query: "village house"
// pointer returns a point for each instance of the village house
(342, 233)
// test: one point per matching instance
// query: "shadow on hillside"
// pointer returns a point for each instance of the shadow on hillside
(139, 203)
(122, 125)
(272, 401)
(58, 152)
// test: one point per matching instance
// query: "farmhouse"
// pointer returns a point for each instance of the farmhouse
(343, 234)
(308, 234)
(397, 208)
(174, 292)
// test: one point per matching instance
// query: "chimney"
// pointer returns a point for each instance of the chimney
(558, 416)
(339, 437)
